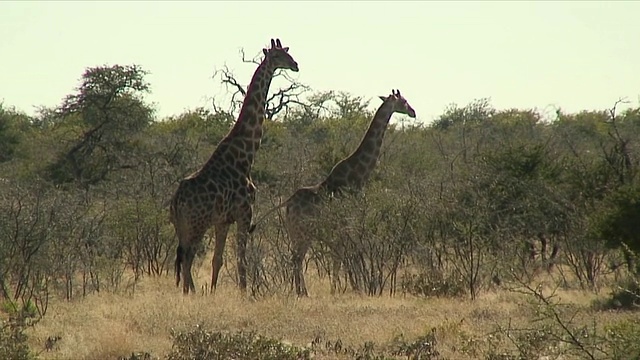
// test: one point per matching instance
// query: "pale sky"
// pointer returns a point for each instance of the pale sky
(542, 54)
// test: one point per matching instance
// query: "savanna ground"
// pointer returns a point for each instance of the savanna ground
(501, 321)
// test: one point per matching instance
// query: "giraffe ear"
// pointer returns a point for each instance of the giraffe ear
(286, 49)
(265, 51)
(383, 98)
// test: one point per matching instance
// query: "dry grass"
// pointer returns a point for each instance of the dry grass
(104, 326)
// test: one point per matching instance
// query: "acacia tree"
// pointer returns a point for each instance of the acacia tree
(597, 161)
(13, 128)
(104, 114)
(618, 222)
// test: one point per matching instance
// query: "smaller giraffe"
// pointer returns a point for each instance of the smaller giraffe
(348, 175)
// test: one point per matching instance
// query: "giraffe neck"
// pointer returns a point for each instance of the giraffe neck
(371, 142)
(355, 170)
(252, 113)
(236, 151)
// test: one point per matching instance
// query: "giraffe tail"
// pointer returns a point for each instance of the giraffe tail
(179, 253)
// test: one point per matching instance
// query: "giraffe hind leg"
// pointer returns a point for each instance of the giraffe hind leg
(218, 250)
(188, 255)
(179, 262)
(187, 280)
(300, 248)
(192, 254)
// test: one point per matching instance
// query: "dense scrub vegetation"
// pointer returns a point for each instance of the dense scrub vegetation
(481, 197)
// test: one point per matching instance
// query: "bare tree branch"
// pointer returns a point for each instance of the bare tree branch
(620, 157)
(281, 100)
(255, 59)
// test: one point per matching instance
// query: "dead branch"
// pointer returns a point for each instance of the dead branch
(281, 100)
(284, 98)
(613, 118)
(621, 147)
(255, 59)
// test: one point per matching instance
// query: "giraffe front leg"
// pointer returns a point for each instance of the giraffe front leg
(244, 221)
(251, 191)
(218, 251)
(244, 226)
(300, 246)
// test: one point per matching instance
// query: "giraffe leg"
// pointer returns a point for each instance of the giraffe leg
(181, 258)
(192, 255)
(251, 190)
(178, 264)
(244, 227)
(300, 248)
(218, 251)
(187, 279)
(241, 254)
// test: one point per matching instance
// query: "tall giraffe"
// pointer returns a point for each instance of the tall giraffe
(222, 192)
(351, 173)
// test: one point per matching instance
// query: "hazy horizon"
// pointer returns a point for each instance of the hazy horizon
(573, 55)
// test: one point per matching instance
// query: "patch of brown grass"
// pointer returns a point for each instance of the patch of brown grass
(105, 326)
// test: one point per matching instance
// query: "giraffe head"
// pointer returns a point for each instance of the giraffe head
(279, 56)
(399, 104)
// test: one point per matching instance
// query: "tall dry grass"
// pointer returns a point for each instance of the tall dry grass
(105, 326)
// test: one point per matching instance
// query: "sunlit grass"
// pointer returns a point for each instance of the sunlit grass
(104, 326)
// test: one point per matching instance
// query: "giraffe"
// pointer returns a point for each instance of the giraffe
(221, 192)
(351, 174)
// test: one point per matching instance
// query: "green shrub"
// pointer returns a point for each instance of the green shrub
(625, 297)
(424, 347)
(139, 356)
(430, 284)
(624, 340)
(206, 345)
(13, 341)
(27, 310)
